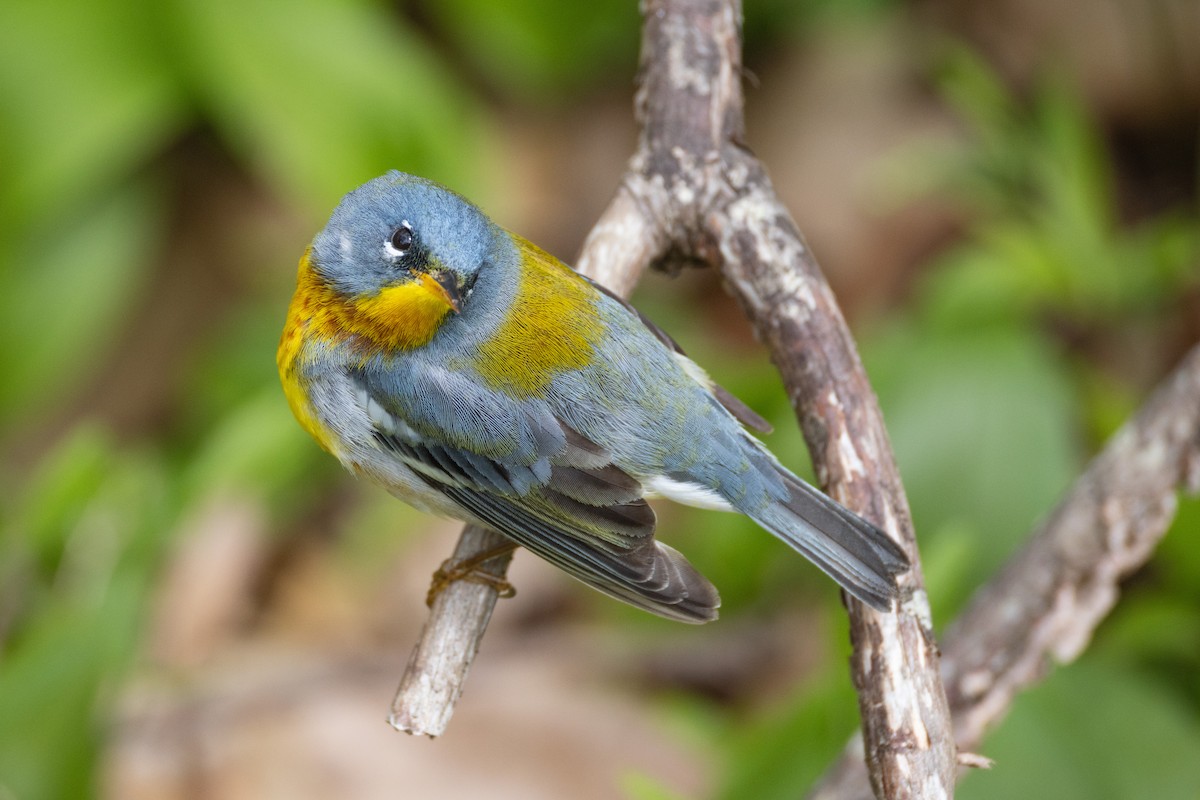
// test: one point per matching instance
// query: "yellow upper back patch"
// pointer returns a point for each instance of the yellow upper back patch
(549, 328)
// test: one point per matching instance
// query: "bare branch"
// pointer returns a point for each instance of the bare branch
(437, 669)
(1046, 602)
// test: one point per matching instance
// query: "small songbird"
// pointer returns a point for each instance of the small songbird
(475, 376)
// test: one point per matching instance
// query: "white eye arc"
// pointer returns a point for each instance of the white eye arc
(400, 242)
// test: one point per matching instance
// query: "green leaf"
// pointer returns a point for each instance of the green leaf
(639, 786)
(322, 95)
(541, 49)
(58, 491)
(1093, 731)
(980, 422)
(1178, 556)
(258, 444)
(781, 756)
(950, 558)
(1152, 627)
(1072, 172)
(85, 97)
(77, 618)
(51, 701)
(67, 290)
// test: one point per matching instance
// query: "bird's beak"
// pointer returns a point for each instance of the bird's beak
(445, 284)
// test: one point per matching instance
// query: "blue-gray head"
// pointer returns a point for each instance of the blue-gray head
(398, 228)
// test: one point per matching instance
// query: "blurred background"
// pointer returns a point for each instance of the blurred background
(196, 602)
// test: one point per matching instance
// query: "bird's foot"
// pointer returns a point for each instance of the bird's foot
(470, 570)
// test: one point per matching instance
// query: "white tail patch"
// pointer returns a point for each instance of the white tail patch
(694, 371)
(689, 494)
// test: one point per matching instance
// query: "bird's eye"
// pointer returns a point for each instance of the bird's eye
(401, 240)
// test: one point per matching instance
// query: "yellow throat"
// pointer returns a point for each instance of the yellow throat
(399, 317)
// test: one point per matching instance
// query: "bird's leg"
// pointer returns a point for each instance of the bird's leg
(468, 569)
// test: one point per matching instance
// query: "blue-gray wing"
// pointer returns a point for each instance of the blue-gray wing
(518, 469)
(742, 412)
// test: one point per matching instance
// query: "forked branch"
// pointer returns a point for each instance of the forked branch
(693, 191)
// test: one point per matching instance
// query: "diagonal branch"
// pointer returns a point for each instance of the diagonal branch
(1045, 604)
(693, 191)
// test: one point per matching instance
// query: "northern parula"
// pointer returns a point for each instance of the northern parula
(475, 376)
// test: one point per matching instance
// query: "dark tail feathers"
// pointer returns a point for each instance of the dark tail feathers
(852, 551)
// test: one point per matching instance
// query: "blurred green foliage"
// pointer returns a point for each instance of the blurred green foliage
(541, 51)
(309, 99)
(990, 411)
(1093, 730)
(1047, 238)
(783, 754)
(78, 556)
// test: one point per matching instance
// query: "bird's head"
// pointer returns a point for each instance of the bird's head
(403, 252)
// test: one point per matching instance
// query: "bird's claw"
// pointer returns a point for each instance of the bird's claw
(470, 570)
